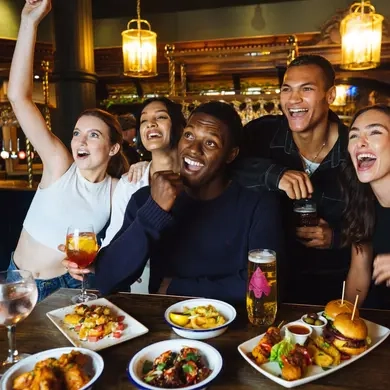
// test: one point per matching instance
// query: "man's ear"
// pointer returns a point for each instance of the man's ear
(232, 155)
(114, 149)
(331, 95)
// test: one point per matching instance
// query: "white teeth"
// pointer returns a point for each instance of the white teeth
(192, 162)
(294, 110)
(366, 155)
(82, 153)
(154, 135)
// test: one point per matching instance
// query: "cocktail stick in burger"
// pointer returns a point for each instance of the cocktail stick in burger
(350, 336)
(338, 306)
(262, 350)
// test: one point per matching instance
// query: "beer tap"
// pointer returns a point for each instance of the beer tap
(13, 153)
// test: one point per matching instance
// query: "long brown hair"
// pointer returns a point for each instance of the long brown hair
(117, 164)
(359, 214)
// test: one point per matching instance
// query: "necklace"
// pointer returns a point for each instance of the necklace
(307, 165)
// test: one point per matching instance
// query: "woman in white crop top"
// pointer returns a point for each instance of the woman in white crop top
(159, 126)
(75, 187)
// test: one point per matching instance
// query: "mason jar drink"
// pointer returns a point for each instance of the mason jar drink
(261, 293)
(305, 211)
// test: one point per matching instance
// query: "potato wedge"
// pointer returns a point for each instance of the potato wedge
(329, 349)
(320, 358)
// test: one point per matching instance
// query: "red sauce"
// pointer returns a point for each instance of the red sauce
(298, 329)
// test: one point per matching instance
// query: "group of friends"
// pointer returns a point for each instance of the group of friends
(212, 191)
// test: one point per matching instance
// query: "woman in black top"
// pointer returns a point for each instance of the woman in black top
(367, 217)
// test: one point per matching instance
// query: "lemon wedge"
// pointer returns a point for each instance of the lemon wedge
(179, 319)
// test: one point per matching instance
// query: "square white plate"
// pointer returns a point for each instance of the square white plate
(271, 370)
(133, 328)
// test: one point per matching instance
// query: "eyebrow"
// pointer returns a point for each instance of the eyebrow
(370, 126)
(76, 128)
(166, 111)
(301, 85)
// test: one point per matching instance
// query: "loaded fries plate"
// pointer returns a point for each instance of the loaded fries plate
(297, 354)
(96, 324)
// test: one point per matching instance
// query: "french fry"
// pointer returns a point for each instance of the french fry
(329, 349)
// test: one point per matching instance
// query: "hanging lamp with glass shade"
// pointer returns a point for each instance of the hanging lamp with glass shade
(361, 37)
(139, 48)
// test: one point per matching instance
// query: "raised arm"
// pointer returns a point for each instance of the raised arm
(55, 157)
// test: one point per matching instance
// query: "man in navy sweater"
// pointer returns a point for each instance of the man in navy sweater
(197, 226)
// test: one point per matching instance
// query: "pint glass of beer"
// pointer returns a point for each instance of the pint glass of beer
(305, 211)
(261, 292)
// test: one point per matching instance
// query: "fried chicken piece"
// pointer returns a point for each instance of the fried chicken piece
(45, 379)
(74, 377)
(291, 372)
(23, 382)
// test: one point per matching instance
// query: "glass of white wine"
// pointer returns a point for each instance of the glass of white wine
(18, 296)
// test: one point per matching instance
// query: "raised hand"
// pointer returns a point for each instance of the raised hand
(296, 184)
(36, 10)
(136, 171)
(319, 237)
(165, 187)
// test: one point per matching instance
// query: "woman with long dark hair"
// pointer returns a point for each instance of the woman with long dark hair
(76, 186)
(159, 125)
(366, 182)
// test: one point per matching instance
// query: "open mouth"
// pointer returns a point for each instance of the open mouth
(82, 154)
(365, 160)
(192, 165)
(153, 134)
(297, 112)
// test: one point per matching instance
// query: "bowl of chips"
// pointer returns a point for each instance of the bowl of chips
(200, 318)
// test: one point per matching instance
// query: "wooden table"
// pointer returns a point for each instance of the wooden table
(37, 333)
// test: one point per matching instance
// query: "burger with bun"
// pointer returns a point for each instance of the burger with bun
(336, 307)
(348, 335)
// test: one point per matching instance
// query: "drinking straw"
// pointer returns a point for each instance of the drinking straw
(354, 306)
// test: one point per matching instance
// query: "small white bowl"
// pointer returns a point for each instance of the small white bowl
(94, 367)
(228, 311)
(298, 338)
(211, 356)
(317, 329)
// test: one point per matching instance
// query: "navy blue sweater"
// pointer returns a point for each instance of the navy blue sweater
(202, 245)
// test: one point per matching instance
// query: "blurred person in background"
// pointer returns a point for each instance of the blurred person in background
(128, 124)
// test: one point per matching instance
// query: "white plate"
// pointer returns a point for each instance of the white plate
(271, 370)
(133, 328)
(94, 366)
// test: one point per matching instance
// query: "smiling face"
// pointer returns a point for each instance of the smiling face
(155, 126)
(91, 146)
(304, 97)
(204, 150)
(369, 145)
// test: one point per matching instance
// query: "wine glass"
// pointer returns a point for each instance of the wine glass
(18, 296)
(82, 248)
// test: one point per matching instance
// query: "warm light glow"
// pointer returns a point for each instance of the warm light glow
(139, 53)
(4, 154)
(22, 155)
(341, 95)
(361, 37)
(139, 48)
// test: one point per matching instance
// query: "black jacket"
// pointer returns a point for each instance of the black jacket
(266, 152)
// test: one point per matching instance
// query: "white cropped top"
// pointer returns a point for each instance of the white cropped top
(71, 200)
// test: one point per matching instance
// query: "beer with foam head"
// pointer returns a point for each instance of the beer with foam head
(305, 212)
(261, 293)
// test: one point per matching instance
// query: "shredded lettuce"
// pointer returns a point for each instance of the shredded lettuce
(281, 349)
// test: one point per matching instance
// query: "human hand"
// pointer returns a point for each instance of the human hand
(165, 187)
(36, 10)
(319, 237)
(296, 184)
(382, 269)
(72, 268)
(136, 171)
